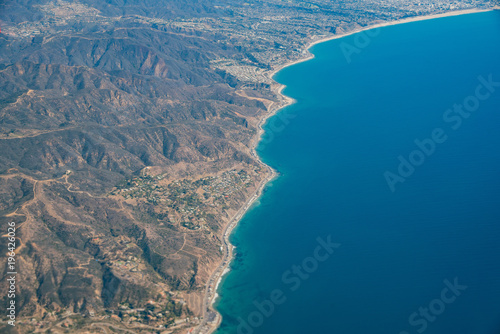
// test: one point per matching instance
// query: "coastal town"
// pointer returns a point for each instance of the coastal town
(275, 36)
(187, 204)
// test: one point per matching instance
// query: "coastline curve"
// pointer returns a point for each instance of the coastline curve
(206, 327)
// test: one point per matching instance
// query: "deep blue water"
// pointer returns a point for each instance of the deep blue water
(352, 121)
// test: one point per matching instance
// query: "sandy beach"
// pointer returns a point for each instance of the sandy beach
(375, 26)
(206, 327)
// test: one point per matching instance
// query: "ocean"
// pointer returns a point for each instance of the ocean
(385, 217)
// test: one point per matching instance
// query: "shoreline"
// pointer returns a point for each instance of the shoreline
(228, 249)
(375, 26)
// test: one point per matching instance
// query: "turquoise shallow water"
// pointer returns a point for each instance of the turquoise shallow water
(419, 257)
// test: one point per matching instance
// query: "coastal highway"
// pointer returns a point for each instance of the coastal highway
(210, 318)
